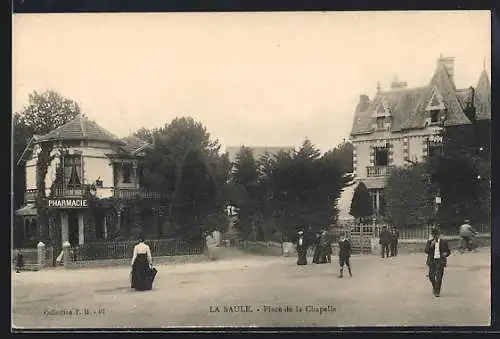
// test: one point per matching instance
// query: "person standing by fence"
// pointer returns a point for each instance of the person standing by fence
(19, 261)
(394, 241)
(437, 250)
(385, 241)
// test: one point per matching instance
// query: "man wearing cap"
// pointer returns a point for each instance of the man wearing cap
(345, 251)
(301, 249)
(437, 250)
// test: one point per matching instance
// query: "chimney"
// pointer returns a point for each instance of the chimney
(399, 84)
(364, 102)
(396, 84)
(449, 65)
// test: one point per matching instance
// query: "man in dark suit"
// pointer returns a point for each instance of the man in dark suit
(384, 241)
(437, 250)
(394, 241)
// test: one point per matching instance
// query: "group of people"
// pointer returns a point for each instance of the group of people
(322, 244)
(436, 248)
(388, 241)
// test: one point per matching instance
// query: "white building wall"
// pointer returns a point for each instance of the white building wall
(362, 158)
(397, 152)
(416, 148)
(95, 168)
(30, 177)
(95, 164)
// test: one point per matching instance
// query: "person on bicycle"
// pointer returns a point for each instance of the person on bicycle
(466, 233)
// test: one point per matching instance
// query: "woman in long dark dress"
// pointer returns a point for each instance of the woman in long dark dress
(301, 249)
(141, 267)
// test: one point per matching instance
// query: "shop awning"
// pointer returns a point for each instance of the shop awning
(28, 210)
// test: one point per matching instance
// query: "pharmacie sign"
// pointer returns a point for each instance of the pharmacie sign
(67, 203)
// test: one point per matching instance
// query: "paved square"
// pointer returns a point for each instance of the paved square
(393, 291)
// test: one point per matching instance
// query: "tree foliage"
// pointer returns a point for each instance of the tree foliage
(466, 160)
(185, 165)
(246, 193)
(305, 187)
(409, 196)
(343, 154)
(361, 204)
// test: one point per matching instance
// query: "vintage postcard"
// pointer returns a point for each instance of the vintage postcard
(264, 169)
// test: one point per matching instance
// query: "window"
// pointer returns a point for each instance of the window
(72, 170)
(380, 122)
(434, 116)
(127, 170)
(381, 157)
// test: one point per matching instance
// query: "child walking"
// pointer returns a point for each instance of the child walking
(344, 254)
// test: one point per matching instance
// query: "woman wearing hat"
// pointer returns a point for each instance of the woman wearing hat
(438, 251)
(301, 249)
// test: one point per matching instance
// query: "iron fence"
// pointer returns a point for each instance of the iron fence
(125, 249)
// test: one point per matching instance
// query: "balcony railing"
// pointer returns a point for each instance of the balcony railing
(71, 192)
(378, 171)
(131, 193)
(118, 193)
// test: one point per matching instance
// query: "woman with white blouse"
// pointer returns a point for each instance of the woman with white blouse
(141, 267)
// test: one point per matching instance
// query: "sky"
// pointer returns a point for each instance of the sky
(258, 79)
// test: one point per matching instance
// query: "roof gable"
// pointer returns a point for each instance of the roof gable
(81, 128)
(442, 83)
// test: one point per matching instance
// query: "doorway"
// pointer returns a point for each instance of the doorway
(73, 235)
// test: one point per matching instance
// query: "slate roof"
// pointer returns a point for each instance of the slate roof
(81, 128)
(407, 105)
(482, 98)
(258, 152)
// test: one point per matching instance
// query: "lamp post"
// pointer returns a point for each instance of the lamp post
(437, 204)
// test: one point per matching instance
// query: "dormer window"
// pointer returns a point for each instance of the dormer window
(435, 107)
(434, 116)
(380, 122)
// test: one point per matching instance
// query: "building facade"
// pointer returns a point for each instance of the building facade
(402, 125)
(89, 166)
